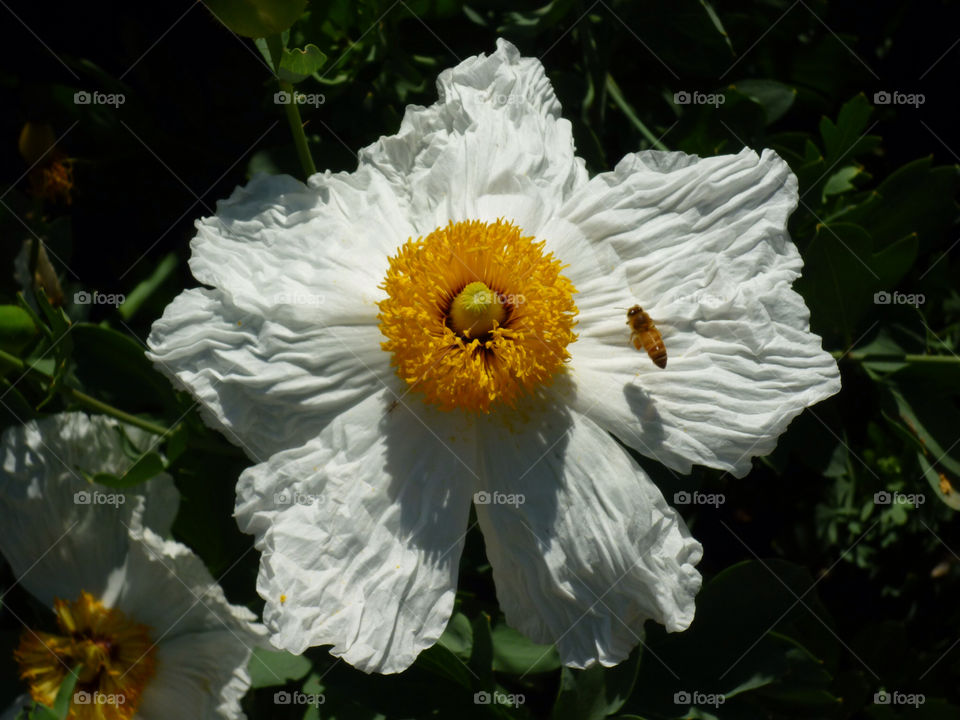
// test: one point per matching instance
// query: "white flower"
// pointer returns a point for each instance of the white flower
(366, 470)
(99, 558)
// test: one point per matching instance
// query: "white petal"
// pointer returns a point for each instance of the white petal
(203, 643)
(279, 249)
(193, 602)
(267, 384)
(496, 130)
(706, 253)
(203, 676)
(361, 533)
(583, 546)
(57, 544)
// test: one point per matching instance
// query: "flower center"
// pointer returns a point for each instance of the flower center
(476, 314)
(117, 657)
(476, 310)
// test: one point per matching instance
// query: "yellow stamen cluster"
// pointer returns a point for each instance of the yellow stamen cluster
(476, 315)
(116, 654)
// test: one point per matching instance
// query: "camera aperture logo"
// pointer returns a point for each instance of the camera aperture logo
(283, 697)
(85, 97)
(898, 298)
(686, 97)
(298, 98)
(95, 497)
(498, 498)
(498, 698)
(684, 497)
(82, 297)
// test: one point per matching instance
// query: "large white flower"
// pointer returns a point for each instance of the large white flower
(450, 319)
(151, 627)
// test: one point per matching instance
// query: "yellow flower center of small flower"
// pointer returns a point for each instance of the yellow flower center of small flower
(476, 314)
(116, 654)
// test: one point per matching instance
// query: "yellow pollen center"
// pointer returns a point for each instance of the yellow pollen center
(476, 315)
(116, 654)
(476, 310)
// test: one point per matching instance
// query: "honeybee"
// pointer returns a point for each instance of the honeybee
(645, 336)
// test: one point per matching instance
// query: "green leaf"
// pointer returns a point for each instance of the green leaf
(458, 636)
(297, 64)
(715, 20)
(148, 466)
(438, 660)
(846, 138)
(271, 47)
(257, 18)
(146, 288)
(940, 483)
(915, 199)
(514, 653)
(112, 366)
(840, 181)
(271, 668)
(774, 97)
(596, 692)
(838, 281)
(17, 328)
(61, 706)
(481, 655)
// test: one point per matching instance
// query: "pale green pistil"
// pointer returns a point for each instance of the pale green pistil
(476, 310)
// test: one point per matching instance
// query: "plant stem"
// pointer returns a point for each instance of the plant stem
(296, 127)
(896, 357)
(81, 398)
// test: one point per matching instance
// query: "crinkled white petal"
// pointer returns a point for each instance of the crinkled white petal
(267, 384)
(59, 533)
(583, 546)
(361, 532)
(706, 253)
(299, 254)
(496, 130)
(203, 642)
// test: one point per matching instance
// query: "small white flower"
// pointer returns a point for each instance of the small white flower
(165, 635)
(472, 339)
